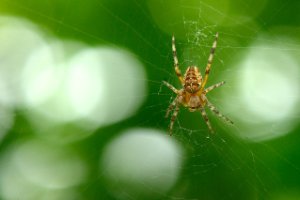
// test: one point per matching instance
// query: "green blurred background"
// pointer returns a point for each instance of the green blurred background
(82, 102)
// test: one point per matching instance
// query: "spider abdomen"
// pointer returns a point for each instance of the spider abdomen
(192, 80)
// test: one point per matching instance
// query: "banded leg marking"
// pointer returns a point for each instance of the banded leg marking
(217, 112)
(214, 86)
(209, 62)
(204, 115)
(177, 70)
(171, 106)
(173, 118)
(171, 87)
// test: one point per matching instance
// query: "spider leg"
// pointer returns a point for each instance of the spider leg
(171, 87)
(204, 115)
(171, 106)
(214, 86)
(217, 112)
(177, 70)
(173, 118)
(209, 62)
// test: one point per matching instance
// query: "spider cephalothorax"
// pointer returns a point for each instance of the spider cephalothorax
(193, 94)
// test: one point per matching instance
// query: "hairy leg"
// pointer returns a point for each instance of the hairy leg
(209, 62)
(214, 86)
(171, 106)
(177, 70)
(171, 87)
(217, 112)
(204, 115)
(173, 118)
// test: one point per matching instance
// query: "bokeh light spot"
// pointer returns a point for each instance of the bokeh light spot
(90, 86)
(35, 169)
(267, 95)
(140, 159)
(48, 165)
(112, 85)
(18, 39)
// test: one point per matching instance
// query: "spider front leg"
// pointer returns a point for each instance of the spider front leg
(209, 62)
(177, 70)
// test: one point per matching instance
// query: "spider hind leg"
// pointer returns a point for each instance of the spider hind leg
(204, 115)
(173, 118)
(217, 112)
(171, 106)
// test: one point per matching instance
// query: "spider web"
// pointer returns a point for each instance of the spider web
(191, 129)
(220, 166)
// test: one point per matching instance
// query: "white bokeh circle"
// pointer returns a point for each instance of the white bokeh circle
(140, 161)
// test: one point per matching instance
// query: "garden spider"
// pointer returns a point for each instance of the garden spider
(193, 94)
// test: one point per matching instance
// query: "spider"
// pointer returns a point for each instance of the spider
(193, 94)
